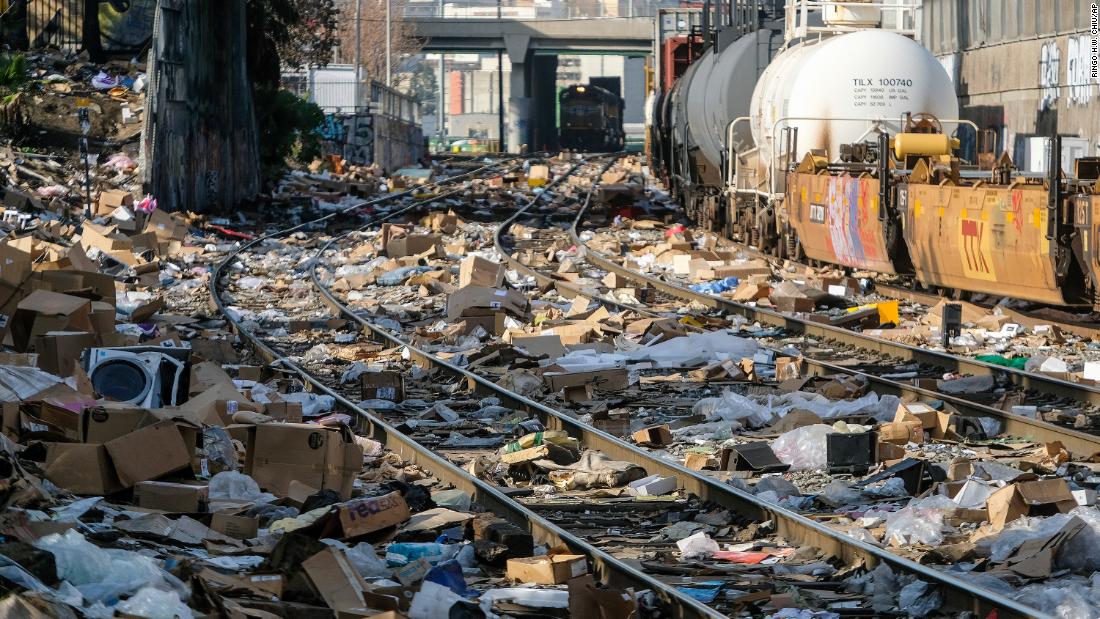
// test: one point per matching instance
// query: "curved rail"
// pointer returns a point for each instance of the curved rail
(958, 593)
(608, 569)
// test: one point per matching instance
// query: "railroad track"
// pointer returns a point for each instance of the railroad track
(704, 490)
(1034, 388)
(417, 449)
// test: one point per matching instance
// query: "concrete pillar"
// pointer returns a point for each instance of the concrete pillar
(519, 109)
(519, 100)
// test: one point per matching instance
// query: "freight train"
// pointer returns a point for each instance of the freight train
(591, 119)
(841, 145)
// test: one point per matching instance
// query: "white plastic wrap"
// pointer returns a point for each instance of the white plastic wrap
(803, 448)
(155, 604)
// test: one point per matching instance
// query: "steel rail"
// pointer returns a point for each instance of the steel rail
(607, 569)
(798, 326)
(1075, 441)
(958, 593)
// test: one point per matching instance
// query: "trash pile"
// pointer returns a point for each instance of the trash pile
(708, 264)
(915, 477)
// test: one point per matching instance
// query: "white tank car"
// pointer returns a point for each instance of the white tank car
(870, 74)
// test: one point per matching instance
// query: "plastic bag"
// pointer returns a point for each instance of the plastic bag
(774, 483)
(97, 573)
(697, 546)
(839, 493)
(218, 453)
(312, 404)
(803, 448)
(403, 553)
(363, 557)
(920, 522)
(919, 599)
(155, 604)
(433, 601)
(732, 406)
(717, 286)
(234, 486)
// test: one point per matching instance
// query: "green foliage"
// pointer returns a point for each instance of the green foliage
(287, 127)
(13, 71)
(13, 74)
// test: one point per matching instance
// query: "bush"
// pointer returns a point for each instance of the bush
(287, 126)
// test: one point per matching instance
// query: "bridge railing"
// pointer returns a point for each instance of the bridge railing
(571, 9)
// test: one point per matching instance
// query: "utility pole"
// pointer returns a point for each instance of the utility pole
(389, 47)
(358, 54)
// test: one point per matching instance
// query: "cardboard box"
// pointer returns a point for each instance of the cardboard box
(547, 569)
(235, 525)
(171, 497)
(612, 379)
(44, 311)
(65, 419)
(15, 265)
(81, 468)
(59, 351)
(335, 578)
(654, 485)
(654, 435)
(477, 271)
(385, 385)
(370, 514)
(494, 324)
(901, 432)
(318, 456)
(549, 346)
(484, 301)
(148, 453)
(413, 245)
(1043, 497)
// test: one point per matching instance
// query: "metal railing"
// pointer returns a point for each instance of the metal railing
(570, 9)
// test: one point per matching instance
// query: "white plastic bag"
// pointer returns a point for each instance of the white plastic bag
(234, 486)
(155, 604)
(803, 448)
(920, 522)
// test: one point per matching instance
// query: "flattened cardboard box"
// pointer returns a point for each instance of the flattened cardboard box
(148, 453)
(611, 379)
(413, 244)
(321, 457)
(547, 569)
(335, 579)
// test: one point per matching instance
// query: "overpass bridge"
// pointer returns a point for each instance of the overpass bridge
(532, 47)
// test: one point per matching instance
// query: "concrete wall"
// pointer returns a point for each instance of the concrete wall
(1022, 68)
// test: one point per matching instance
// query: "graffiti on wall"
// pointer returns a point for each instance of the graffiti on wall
(1079, 67)
(359, 148)
(1078, 79)
(1049, 63)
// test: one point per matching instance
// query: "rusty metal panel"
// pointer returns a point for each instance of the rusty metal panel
(1087, 221)
(982, 239)
(836, 218)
